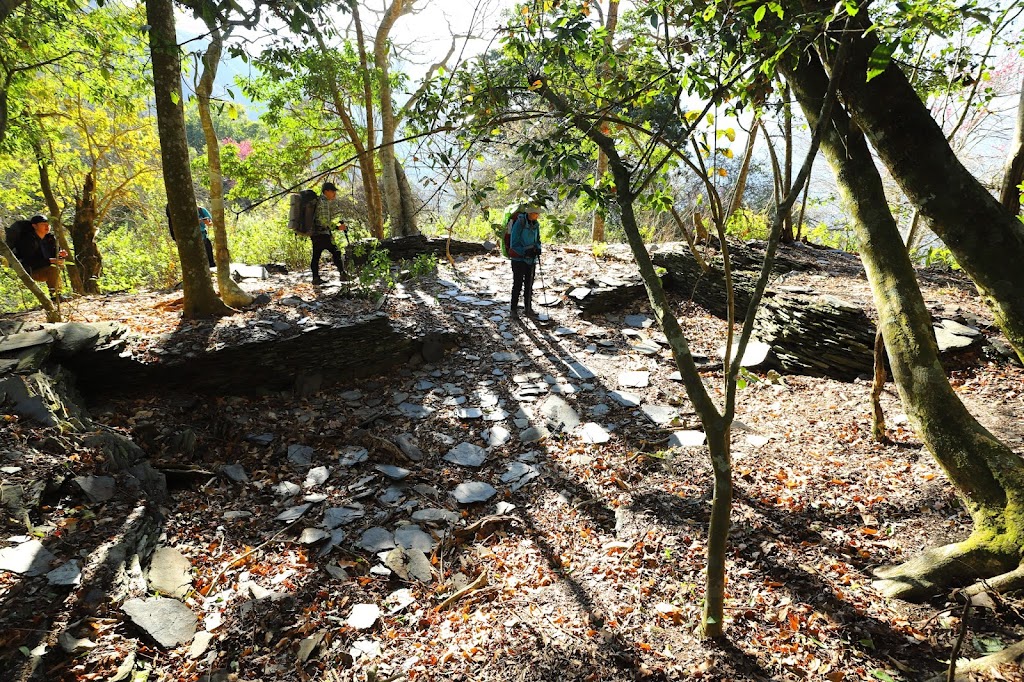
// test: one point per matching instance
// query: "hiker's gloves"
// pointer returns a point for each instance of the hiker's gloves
(531, 251)
(342, 226)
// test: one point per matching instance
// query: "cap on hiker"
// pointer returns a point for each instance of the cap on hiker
(38, 219)
(329, 187)
(530, 209)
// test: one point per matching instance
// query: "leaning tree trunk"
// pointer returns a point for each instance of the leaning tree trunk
(1013, 172)
(200, 300)
(74, 275)
(230, 292)
(89, 262)
(371, 188)
(51, 311)
(986, 239)
(988, 475)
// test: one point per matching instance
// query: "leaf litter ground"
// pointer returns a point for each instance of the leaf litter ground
(585, 564)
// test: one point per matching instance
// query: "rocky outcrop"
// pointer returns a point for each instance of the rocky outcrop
(408, 248)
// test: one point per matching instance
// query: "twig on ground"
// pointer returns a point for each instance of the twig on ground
(477, 584)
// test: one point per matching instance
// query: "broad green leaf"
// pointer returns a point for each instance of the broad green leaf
(175, 97)
(880, 58)
(759, 14)
(709, 12)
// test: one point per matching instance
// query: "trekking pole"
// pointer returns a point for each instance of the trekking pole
(540, 273)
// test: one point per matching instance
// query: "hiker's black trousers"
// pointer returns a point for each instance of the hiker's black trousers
(522, 281)
(321, 243)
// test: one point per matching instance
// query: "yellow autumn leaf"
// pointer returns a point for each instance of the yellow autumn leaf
(728, 153)
(731, 134)
(722, 172)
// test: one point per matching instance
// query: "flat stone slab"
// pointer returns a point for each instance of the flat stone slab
(376, 539)
(341, 516)
(67, 574)
(660, 414)
(435, 515)
(300, 455)
(167, 621)
(392, 472)
(686, 439)
(559, 414)
(15, 342)
(170, 573)
(414, 537)
(756, 353)
(625, 398)
(948, 340)
(469, 413)
(467, 455)
(29, 559)
(407, 444)
(505, 357)
(473, 491)
(534, 434)
(293, 513)
(98, 489)
(631, 379)
(497, 436)
(577, 370)
(352, 455)
(519, 474)
(638, 321)
(363, 616)
(594, 433)
(235, 472)
(414, 411)
(960, 329)
(409, 564)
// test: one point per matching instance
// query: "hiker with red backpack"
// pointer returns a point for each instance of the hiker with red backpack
(524, 250)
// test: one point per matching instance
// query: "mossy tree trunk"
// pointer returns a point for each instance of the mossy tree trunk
(73, 273)
(986, 238)
(200, 300)
(89, 262)
(988, 475)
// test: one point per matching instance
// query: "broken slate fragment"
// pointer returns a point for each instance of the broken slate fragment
(412, 536)
(351, 396)
(376, 539)
(170, 573)
(313, 535)
(435, 515)
(68, 573)
(534, 434)
(414, 411)
(505, 357)
(167, 621)
(519, 474)
(235, 472)
(466, 454)
(595, 433)
(497, 436)
(473, 491)
(634, 379)
(28, 559)
(660, 414)
(363, 616)
(470, 413)
(300, 455)
(341, 516)
(287, 489)
(98, 489)
(260, 438)
(352, 455)
(407, 444)
(293, 513)
(559, 414)
(625, 398)
(409, 564)
(686, 439)
(638, 321)
(392, 472)
(317, 476)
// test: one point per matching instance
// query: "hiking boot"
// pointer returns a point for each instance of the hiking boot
(531, 313)
(514, 317)
(317, 281)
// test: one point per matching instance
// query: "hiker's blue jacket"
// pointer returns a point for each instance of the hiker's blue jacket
(525, 233)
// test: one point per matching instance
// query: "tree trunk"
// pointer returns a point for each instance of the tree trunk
(230, 292)
(1013, 172)
(986, 239)
(89, 262)
(397, 194)
(741, 178)
(200, 300)
(877, 386)
(597, 227)
(73, 273)
(367, 168)
(787, 169)
(988, 476)
(51, 310)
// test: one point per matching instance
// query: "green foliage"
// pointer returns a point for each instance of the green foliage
(937, 256)
(745, 224)
(374, 278)
(263, 238)
(138, 255)
(842, 238)
(424, 265)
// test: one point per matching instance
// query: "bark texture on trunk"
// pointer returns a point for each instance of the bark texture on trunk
(987, 240)
(89, 262)
(73, 273)
(1013, 171)
(230, 292)
(987, 474)
(200, 300)
(367, 166)
(744, 173)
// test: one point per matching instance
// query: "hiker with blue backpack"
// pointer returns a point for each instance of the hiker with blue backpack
(524, 250)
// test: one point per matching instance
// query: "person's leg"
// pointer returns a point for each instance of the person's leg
(528, 287)
(318, 249)
(51, 276)
(339, 262)
(518, 272)
(209, 252)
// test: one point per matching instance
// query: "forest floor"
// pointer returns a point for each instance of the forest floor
(590, 563)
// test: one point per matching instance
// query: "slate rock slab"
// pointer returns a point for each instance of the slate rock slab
(949, 341)
(235, 472)
(167, 621)
(363, 616)
(293, 513)
(352, 455)
(341, 516)
(74, 337)
(756, 354)
(98, 489)
(497, 436)
(170, 573)
(473, 491)
(470, 413)
(412, 536)
(414, 411)
(595, 433)
(638, 321)
(519, 474)
(660, 414)
(467, 455)
(634, 379)
(625, 398)
(534, 434)
(559, 414)
(393, 472)
(407, 444)
(67, 574)
(28, 559)
(435, 515)
(577, 370)
(686, 439)
(409, 564)
(300, 455)
(377, 539)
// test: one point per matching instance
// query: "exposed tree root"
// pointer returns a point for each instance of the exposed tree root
(1007, 582)
(964, 669)
(935, 570)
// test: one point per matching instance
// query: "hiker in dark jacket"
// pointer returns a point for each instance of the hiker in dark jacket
(327, 219)
(39, 254)
(524, 250)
